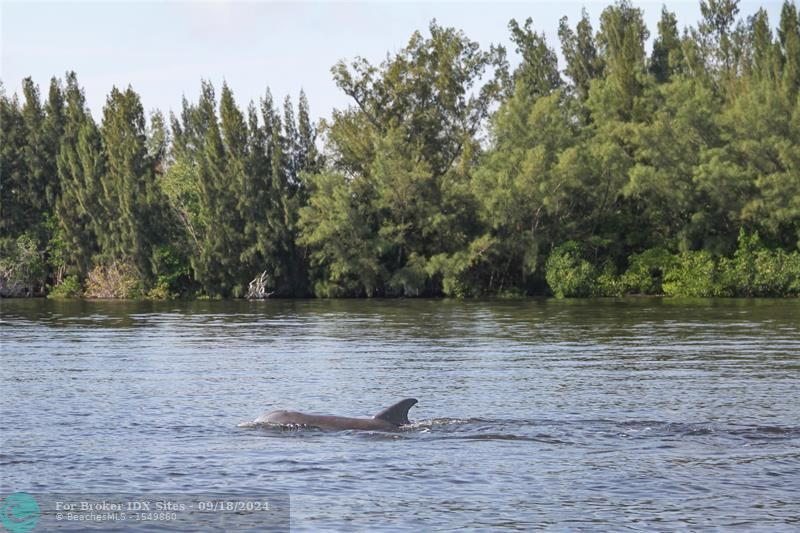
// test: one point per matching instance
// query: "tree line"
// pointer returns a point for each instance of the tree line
(620, 171)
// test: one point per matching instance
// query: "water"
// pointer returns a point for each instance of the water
(581, 415)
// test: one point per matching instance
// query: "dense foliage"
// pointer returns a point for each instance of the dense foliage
(621, 171)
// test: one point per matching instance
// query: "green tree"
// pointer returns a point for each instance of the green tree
(34, 153)
(81, 166)
(158, 142)
(756, 174)
(340, 228)
(525, 200)
(407, 144)
(538, 70)
(765, 52)
(621, 38)
(13, 169)
(580, 52)
(661, 185)
(208, 264)
(308, 157)
(52, 131)
(131, 204)
(715, 35)
(666, 57)
(789, 40)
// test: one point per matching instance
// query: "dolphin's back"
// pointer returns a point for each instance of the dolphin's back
(322, 421)
(390, 418)
(276, 417)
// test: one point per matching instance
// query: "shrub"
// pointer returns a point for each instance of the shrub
(608, 283)
(69, 287)
(22, 268)
(57, 253)
(755, 270)
(567, 273)
(161, 290)
(692, 274)
(775, 273)
(645, 273)
(173, 274)
(117, 280)
(513, 293)
(738, 274)
(792, 268)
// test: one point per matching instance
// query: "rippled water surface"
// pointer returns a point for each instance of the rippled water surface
(579, 415)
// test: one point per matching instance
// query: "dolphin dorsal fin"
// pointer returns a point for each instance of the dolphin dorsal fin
(398, 413)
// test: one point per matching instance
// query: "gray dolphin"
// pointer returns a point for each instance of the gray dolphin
(390, 418)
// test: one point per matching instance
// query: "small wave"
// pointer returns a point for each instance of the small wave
(274, 427)
(435, 422)
(377, 435)
(10, 462)
(766, 432)
(547, 439)
(552, 432)
(662, 428)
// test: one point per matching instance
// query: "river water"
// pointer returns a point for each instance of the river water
(607, 415)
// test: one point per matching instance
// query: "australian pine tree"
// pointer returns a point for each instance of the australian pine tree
(14, 201)
(665, 58)
(525, 203)
(130, 217)
(81, 165)
(582, 62)
(389, 213)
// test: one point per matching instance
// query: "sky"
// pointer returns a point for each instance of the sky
(163, 49)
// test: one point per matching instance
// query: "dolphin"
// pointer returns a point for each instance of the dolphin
(389, 419)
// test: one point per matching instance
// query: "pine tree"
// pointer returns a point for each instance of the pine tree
(15, 208)
(715, 34)
(81, 166)
(231, 183)
(406, 147)
(308, 157)
(53, 130)
(580, 52)
(254, 200)
(666, 58)
(208, 260)
(158, 142)
(37, 160)
(789, 39)
(129, 228)
(290, 145)
(765, 52)
(537, 74)
(621, 38)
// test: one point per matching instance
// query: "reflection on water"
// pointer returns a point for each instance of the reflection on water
(634, 414)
